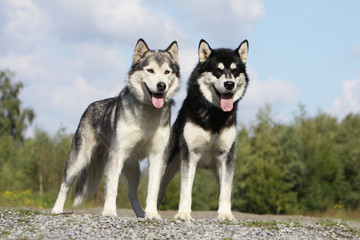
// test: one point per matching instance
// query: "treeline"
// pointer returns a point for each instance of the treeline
(311, 164)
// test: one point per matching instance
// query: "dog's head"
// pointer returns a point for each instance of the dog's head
(154, 74)
(223, 79)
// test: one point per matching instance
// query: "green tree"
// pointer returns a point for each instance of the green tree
(43, 160)
(324, 183)
(264, 182)
(13, 122)
(348, 140)
(14, 119)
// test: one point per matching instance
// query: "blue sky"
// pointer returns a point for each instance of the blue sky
(71, 53)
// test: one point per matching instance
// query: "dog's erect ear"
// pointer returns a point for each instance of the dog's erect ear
(173, 50)
(243, 50)
(204, 51)
(140, 49)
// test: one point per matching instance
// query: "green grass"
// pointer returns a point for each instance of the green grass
(265, 224)
(4, 234)
(21, 211)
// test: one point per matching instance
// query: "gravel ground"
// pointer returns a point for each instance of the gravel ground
(89, 224)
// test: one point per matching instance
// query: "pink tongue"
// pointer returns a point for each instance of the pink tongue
(226, 103)
(157, 101)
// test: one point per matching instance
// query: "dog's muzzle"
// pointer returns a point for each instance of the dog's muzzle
(157, 99)
(226, 101)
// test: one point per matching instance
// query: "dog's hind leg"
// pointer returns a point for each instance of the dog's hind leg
(78, 158)
(214, 169)
(132, 174)
(64, 190)
(170, 171)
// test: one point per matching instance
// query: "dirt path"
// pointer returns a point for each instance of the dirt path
(237, 215)
(89, 224)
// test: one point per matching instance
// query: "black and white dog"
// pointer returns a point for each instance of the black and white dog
(121, 131)
(204, 132)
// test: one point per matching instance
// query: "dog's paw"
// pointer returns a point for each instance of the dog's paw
(109, 213)
(152, 215)
(184, 215)
(56, 211)
(226, 216)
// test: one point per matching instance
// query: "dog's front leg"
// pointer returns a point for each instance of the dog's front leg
(115, 165)
(187, 172)
(156, 171)
(226, 173)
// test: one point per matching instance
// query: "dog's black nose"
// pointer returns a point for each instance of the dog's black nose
(161, 86)
(229, 85)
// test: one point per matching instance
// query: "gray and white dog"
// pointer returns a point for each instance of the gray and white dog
(123, 130)
(204, 132)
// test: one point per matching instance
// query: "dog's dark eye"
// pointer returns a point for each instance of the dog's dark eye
(219, 70)
(167, 72)
(150, 70)
(234, 71)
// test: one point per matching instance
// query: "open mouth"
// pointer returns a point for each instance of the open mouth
(157, 99)
(226, 101)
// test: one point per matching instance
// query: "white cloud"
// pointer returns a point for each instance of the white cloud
(102, 65)
(62, 105)
(272, 91)
(22, 25)
(349, 99)
(282, 96)
(126, 19)
(70, 53)
(78, 94)
(122, 21)
(22, 14)
(225, 22)
(59, 89)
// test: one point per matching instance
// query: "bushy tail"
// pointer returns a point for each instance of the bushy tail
(90, 176)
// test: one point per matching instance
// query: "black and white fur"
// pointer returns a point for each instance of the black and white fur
(123, 130)
(204, 132)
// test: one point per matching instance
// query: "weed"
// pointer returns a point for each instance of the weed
(4, 234)
(27, 212)
(268, 225)
(25, 198)
(153, 222)
(175, 220)
(330, 223)
(227, 222)
(355, 231)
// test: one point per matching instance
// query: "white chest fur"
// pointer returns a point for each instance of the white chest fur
(207, 147)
